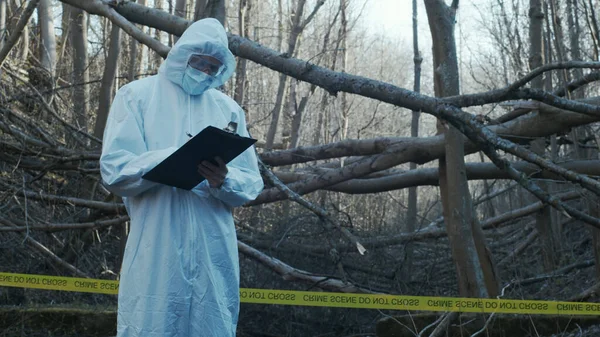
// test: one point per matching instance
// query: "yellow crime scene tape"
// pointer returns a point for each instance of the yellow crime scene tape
(329, 299)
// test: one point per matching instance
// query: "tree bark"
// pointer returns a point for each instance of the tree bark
(473, 262)
(214, 9)
(240, 72)
(199, 9)
(592, 23)
(411, 216)
(343, 37)
(81, 95)
(538, 146)
(377, 183)
(24, 52)
(3, 34)
(297, 27)
(48, 39)
(180, 11)
(108, 80)
(155, 58)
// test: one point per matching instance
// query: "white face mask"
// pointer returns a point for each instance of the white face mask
(195, 81)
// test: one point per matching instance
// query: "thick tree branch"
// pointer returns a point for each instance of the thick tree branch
(423, 150)
(99, 7)
(429, 176)
(551, 66)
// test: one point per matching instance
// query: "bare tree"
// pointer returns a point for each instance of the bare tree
(154, 58)
(181, 11)
(211, 9)
(108, 80)
(536, 59)
(81, 96)
(592, 23)
(411, 216)
(136, 52)
(297, 27)
(473, 261)
(48, 39)
(3, 33)
(244, 9)
(24, 52)
(343, 37)
(574, 40)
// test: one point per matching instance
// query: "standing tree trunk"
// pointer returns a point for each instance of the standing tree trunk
(411, 217)
(80, 69)
(48, 43)
(24, 54)
(574, 34)
(108, 80)
(592, 23)
(3, 34)
(489, 210)
(343, 36)
(297, 119)
(180, 11)
(65, 25)
(212, 9)
(155, 58)
(240, 71)
(536, 59)
(475, 271)
(136, 53)
(279, 25)
(199, 9)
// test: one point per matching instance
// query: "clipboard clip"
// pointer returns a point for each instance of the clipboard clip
(231, 127)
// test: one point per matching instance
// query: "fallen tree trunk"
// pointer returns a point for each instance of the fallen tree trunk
(427, 149)
(429, 176)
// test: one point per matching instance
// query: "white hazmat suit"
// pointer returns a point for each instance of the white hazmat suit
(180, 273)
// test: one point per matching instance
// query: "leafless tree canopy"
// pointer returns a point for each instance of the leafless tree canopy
(466, 169)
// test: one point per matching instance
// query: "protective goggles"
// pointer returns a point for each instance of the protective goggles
(206, 64)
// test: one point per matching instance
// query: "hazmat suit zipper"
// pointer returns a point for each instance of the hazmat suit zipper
(191, 220)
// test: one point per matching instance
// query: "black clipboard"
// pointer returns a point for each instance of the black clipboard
(180, 169)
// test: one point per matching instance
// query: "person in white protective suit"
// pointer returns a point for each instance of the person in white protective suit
(180, 272)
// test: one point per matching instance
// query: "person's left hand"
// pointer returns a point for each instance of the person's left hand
(213, 173)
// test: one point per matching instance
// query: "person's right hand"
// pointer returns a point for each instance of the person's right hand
(215, 175)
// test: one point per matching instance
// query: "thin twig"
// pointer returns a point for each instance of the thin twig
(437, 321)
(448, 318)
